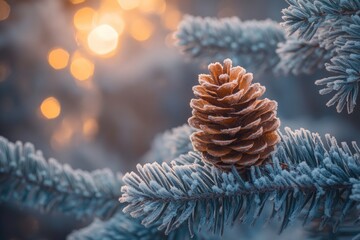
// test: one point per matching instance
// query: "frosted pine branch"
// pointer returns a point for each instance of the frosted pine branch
(299, 56)
(316, 175)
(123, 227)
(27, 179)
(305, 17)
(346, 67)
(335, 25)
(251, 44)
(170, 145)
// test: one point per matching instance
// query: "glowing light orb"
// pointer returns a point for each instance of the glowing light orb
(58, 58)
(141, 29)
(83, 18)
(153, 6)
(129, 4)
(90, 127)
(50, 108)
(103, 39)
(77, 1)
(4, 10)
(171, 18)
(81, 68)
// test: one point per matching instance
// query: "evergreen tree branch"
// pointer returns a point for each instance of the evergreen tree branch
(251, 44)
(345, 65)
(123, 227)
(29, 180)
(305, 17)
(300, 56)
(170, 145)
(317, 179)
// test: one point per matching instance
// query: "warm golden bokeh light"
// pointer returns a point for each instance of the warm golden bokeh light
(81, 68)
(103, 39)
(141, 29)
(4, 10)
(77, 1)
(50, 108)
(171, 18)
(153, 6)
(84, 18)
(129, 4)
(58, 58)
(62, 135)
(112, 19)
(90, 127)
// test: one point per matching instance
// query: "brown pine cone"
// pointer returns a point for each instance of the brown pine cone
(234, 126)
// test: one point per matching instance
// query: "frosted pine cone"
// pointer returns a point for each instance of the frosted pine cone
(234, 126)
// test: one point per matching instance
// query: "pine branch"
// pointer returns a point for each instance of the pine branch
(251, 44)
(346, 66)
(170, 145)
(346, 82)
(305, 17)
(317, 179)
(123, 227)
(27, 179)
(299, 56)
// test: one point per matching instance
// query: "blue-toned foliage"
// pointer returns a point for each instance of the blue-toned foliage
(251, 44)
(170, 145)
(325, 33)
(346, 67)
(305, 177)
(300, 56)
(123, 227)
(27, 179)
(335, 25)
(307, 17)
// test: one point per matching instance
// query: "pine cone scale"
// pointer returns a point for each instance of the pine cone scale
(235, 127)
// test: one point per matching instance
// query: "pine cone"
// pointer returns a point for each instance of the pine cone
(234, 126)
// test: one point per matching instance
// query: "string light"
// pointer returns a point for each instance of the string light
(50, 108)
(81, 68)
(141, 29)
(4, 10)
(58, 58)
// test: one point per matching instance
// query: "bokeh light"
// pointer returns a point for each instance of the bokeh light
(113, 19)
(62, 135)
(81, 68)
(141, 29)
(129, 4)
(4, 10)
(77, 1)
(103, 39)
(50, 108)
(153, 6)
(90, 127)
(84, 18)
(58, 58)
(171, 18)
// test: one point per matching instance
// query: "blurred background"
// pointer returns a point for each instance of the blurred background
(91, 83)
